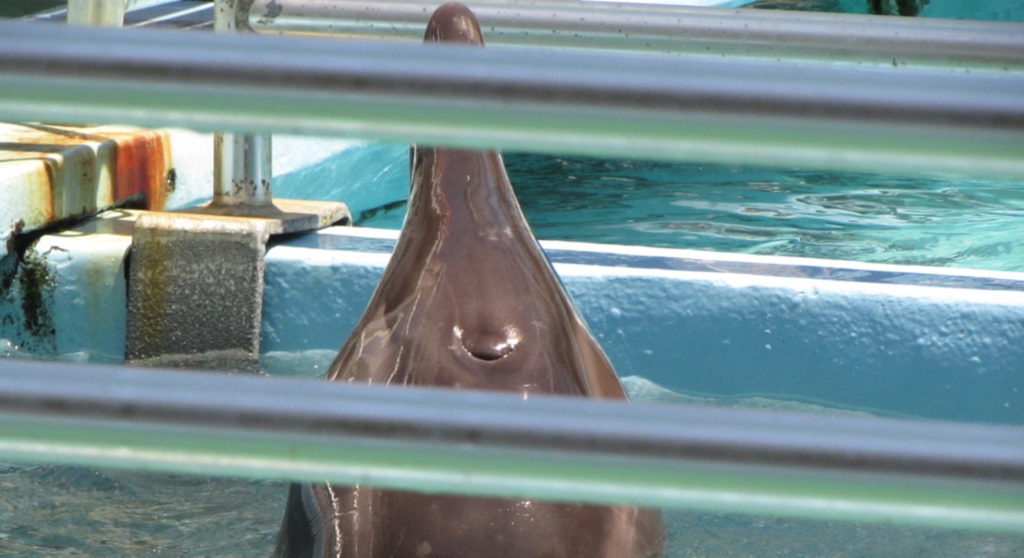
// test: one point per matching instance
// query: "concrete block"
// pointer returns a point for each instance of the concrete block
(195, 289)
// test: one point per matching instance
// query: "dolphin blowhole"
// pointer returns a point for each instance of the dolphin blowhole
(489, 346)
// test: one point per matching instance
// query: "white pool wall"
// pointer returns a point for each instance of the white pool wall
(896, 339)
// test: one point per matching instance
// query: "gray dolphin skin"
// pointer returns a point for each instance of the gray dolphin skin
(468, 300)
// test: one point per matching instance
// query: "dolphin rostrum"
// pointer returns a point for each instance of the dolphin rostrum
(468, 300)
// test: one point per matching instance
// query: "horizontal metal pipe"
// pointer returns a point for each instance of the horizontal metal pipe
(676, 29)
(692, 108)
(844, 467)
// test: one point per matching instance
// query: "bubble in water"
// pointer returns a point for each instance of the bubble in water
(8, 348)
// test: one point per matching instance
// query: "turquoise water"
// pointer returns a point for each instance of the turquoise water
(50, 511)
(994, 10)
(935, 221)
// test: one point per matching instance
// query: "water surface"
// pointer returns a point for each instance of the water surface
(938, 221)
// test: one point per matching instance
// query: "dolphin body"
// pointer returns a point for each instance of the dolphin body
(468, 300)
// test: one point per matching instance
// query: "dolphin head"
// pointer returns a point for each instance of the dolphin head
(455, 23)
(468, 300)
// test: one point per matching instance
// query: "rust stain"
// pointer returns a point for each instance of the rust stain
(55, 172)
(143, 167)
(45, 196)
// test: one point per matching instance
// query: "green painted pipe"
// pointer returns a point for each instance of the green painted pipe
(809, 465)
(672, 29)
(731, 110)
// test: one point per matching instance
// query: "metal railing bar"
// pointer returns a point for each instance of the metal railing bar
(669, 455)
(794, 113)
(650, 27)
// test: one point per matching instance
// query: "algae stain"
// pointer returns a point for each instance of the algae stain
(8, 313)
(36, 284)
(26, 297)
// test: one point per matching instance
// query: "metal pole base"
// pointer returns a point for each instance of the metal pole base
(291, 216)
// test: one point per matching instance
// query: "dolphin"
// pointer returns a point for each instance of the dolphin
(468, 300)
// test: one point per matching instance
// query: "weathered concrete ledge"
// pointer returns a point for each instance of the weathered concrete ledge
(55, 173)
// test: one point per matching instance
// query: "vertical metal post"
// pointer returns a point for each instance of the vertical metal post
(241, 162)
(241, 172)
(106, 13)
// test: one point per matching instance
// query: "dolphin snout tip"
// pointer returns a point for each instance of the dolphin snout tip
(454, 22)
